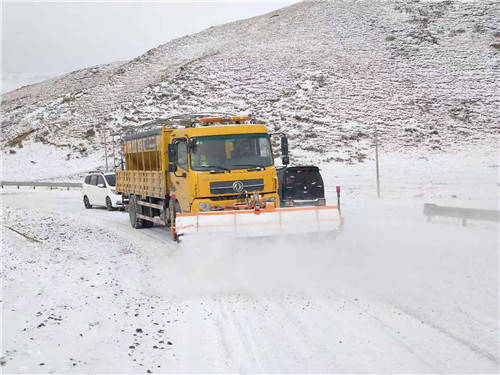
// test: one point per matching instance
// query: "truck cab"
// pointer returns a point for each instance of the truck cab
(214, 167)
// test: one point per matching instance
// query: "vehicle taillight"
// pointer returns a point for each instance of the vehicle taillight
(288, 203)
(322, 202)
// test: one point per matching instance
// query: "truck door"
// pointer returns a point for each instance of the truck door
(179, 178)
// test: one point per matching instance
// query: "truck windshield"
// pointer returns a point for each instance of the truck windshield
(224, 152)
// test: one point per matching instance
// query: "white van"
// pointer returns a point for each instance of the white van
(98, 189)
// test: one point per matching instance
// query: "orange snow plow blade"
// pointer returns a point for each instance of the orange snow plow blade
(261, 222)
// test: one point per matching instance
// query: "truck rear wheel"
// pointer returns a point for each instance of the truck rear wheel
(133, 210)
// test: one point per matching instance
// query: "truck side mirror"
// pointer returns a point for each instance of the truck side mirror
(284, 146)
(172, 156)
(171, 153)
(284, 150)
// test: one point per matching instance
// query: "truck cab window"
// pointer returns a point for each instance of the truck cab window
(182, 155)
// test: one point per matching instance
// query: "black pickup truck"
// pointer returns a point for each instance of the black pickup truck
(300, 186)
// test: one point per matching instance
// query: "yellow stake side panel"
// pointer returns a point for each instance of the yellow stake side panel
(144, 183)
(146, 165)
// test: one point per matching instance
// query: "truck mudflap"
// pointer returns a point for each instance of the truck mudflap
(255, 222)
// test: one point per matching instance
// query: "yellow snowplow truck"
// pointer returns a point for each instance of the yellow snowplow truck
(199, 174)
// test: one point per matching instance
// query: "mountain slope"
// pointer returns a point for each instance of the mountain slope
(326, 73)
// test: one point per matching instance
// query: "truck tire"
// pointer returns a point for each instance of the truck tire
(174, 208)
(133, 210)
(165, 214)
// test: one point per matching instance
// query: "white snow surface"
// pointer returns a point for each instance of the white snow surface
(394, 294)
(326, 73)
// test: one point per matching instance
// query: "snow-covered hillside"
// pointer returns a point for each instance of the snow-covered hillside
(426, 73)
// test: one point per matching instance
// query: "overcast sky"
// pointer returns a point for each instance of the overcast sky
(55, 38)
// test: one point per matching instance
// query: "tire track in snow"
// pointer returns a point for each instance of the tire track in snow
(466, 343)
(313, 341)
(243, 354)
(391, 332)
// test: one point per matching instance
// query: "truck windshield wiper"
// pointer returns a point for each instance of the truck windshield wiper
(251, 166)
(214, 168)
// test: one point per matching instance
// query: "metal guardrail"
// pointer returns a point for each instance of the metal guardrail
(431, 210)
(51, 185)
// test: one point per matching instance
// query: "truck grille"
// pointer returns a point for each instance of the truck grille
(226, 187)
(228, 197)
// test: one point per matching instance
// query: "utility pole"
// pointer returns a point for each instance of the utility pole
(121, 150)
(376, 161)
(113, 146)
(105, 148)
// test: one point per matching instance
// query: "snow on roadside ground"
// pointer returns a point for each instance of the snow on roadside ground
(395, 294)
(24, 165)
(70, 292)
(468, 178)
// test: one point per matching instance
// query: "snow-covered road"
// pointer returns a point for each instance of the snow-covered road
(84, 292)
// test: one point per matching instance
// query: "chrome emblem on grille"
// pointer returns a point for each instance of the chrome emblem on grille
(238, 186)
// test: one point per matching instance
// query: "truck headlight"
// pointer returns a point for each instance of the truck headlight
(204, 206)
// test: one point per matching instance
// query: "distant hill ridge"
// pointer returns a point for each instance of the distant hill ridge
(425, 73)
